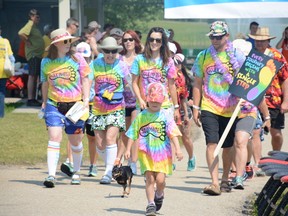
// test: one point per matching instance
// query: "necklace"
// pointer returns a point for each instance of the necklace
(219, 65)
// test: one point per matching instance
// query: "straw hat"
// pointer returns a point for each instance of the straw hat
(110, 43)
(61, 35)
(262, 34)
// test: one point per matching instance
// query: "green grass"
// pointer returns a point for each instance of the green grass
(24, 139)
(190, 35)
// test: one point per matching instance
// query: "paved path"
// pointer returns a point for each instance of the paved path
(22, 192)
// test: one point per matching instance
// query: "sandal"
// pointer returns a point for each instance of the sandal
(212, 190)
(225, 187)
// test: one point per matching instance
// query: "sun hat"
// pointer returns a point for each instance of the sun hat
(218, 28)
(172, 47)
(262, 33)
(178, 58)
(117, 32)
(60, 35)
(155, 92)
(84, 49)
(242, 45)
(93, 25)
(110, 43)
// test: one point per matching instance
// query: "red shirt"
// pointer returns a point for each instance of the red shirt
(274, 92)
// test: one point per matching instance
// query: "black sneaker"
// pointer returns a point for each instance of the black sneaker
(49, 182)
(33, 103)
(158, 202)
(151, 210)
(67, 169)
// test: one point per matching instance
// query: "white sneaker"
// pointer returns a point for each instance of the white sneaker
(75, 180)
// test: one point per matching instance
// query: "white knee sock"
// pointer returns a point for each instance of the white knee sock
(77, 152)
(111, 153)
(53, 152)
(102, 154)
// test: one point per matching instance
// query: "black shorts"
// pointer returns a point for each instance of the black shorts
(34, 64)
(89, 131)
(214, 126)
(277, 119)
(128, 111)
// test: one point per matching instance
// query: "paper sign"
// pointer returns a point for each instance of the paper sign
(254, 77)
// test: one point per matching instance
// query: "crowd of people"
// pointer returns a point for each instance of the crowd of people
(140, 101)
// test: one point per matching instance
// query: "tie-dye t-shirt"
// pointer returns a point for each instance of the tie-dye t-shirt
(274, 94)
(64, 77)
(109, 86)
(151, 71)
(248, 110)
(129, 97)
(215, 95)
(153, 132)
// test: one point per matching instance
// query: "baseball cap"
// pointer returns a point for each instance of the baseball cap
(93, 25)
(117, 32)
(218, 28)
(155, 92)
(84, 49)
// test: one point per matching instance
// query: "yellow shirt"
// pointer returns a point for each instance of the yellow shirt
(4, 41)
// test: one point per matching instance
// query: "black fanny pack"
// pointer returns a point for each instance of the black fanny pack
(63, 107)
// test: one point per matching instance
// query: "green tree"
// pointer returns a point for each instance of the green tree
(133, 14)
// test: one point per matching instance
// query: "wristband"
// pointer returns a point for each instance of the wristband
(176, 106)
(196, 107)
(267, 118)
(86, 99)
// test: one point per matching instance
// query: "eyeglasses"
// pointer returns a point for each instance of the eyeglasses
(67, 41)
(77, 26)
(151, 40)
(110, 51)
(216, 37)
(128, 39)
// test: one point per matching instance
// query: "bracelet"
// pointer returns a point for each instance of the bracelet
(196, 107)
(267, 118)
(86, 99)
(176, 106)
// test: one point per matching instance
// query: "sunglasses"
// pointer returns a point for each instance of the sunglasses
(151, 40)
(110, 51)
(216, 37)
(128, 39)
(67, 41)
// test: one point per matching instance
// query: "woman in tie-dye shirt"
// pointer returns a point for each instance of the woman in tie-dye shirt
(109, 104)
(155, 65)
(64, 77)
(154, 129)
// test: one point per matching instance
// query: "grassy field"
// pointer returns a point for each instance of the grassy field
(24, 139)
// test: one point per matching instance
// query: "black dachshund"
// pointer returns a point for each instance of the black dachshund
(123, 175)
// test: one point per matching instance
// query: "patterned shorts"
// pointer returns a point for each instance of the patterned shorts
(117, 119)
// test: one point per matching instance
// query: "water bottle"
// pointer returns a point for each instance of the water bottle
(41, 113)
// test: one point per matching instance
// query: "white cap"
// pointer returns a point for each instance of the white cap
(84, 49)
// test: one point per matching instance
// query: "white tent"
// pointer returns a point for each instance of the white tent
(237, 13)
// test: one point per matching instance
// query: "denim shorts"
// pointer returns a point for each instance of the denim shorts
(54, 118)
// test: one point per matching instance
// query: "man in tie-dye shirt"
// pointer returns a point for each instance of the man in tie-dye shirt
(214, 70)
